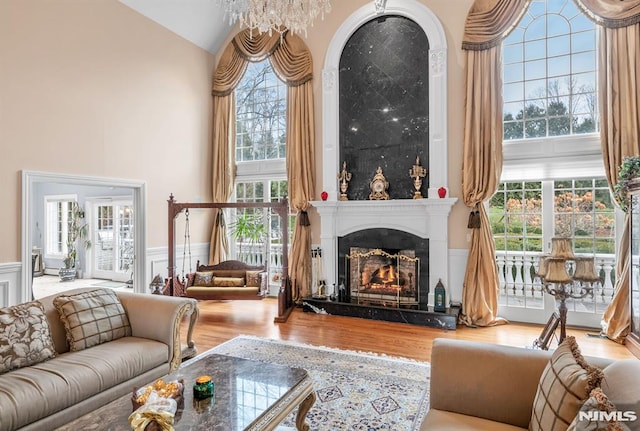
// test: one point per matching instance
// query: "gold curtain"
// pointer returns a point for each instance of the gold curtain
(488, 22)
(619, 96)
(228, 74)
(612, 13)
(291, 61)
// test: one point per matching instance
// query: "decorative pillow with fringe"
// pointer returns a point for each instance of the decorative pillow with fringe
(593, 420)
(565, 384)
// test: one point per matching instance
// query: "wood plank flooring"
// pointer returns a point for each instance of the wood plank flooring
(220, 321)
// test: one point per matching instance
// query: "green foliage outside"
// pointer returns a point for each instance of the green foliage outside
(536, 120)
(260, 114)
(585, 215)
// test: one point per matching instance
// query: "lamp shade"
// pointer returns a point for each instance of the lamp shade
(556, 271)
(542, 266)
(585, 270)
(561, 248)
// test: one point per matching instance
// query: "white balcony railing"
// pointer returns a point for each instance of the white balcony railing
(257, 255)
(520, 288)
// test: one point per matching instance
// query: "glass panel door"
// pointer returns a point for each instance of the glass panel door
(113, 240)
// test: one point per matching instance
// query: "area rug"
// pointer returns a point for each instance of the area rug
(354, 391)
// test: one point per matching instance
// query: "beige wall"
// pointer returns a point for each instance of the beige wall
(452, 15)
(94, 88)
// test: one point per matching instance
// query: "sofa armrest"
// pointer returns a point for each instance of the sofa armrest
(489, 381)
(158, 317)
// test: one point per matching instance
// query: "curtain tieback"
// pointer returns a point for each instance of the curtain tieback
(303, 219)
(474, 219)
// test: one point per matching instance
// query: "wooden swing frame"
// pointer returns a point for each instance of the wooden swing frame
(285, 297)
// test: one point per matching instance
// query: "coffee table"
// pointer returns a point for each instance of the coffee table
(248, 395)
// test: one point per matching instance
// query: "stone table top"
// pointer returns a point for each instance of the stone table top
(248, 395)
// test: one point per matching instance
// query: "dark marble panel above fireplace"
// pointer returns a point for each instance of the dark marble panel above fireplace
(384, 105)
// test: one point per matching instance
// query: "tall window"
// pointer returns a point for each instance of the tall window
(260, 114)
(550, 73)
(261, 106)
(57, 210)
(553, 181)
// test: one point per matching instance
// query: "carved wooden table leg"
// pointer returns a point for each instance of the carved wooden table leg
(303, 409)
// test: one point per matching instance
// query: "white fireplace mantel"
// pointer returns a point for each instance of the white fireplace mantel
(426, 218)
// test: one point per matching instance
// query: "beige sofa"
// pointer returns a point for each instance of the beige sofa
(49, 394)
(230, 279)
(479, 386)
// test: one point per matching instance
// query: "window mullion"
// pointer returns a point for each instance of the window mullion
(548, 213)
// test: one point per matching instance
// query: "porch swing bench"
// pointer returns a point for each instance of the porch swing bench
(231, 279)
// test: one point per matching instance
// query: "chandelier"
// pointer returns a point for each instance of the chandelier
(275, 15)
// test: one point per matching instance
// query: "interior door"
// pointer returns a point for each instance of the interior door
(113, 240)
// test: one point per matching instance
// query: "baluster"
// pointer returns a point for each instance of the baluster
(608, 285)
(519, 283)
(529, 267)
(501, 281)
(509, 275)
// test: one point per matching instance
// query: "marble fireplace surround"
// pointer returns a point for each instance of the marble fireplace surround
(426, 218)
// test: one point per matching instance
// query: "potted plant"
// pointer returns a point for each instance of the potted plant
(248, 228)
(77, 236)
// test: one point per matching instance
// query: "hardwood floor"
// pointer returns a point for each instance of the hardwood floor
(220, 321)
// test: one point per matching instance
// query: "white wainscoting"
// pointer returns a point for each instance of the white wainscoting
(158, 261)
(457, 267)
(10, 286)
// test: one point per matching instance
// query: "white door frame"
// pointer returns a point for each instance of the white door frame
(29, 178)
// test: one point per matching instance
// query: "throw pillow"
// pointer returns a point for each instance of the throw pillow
(593, 420)
(228, 282)
(92, 318)
(203, 279)
(565, 384)
(25, 337)
(253, 278)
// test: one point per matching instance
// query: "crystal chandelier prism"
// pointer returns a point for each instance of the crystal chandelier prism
(275, 15)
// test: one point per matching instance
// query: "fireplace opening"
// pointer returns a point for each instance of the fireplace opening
(383, 277)
(384, 267)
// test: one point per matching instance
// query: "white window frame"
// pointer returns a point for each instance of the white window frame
(50, 226)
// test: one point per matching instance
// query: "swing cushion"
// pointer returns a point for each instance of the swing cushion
(228, 282)
(203, 278)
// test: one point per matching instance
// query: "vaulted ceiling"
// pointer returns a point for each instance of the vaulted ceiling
(200, 21)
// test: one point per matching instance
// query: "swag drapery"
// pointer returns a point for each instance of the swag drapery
(488, 23)
(619, 96)
(291, 61)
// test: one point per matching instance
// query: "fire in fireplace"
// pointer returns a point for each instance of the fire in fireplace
(384, 277)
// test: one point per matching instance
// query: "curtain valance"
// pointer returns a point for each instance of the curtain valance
(288, 54)
(490, 21)
(611, 13)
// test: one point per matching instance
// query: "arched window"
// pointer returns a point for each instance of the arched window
(550, 73)
(553, 181)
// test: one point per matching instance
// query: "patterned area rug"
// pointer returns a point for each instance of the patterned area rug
(354, 391)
